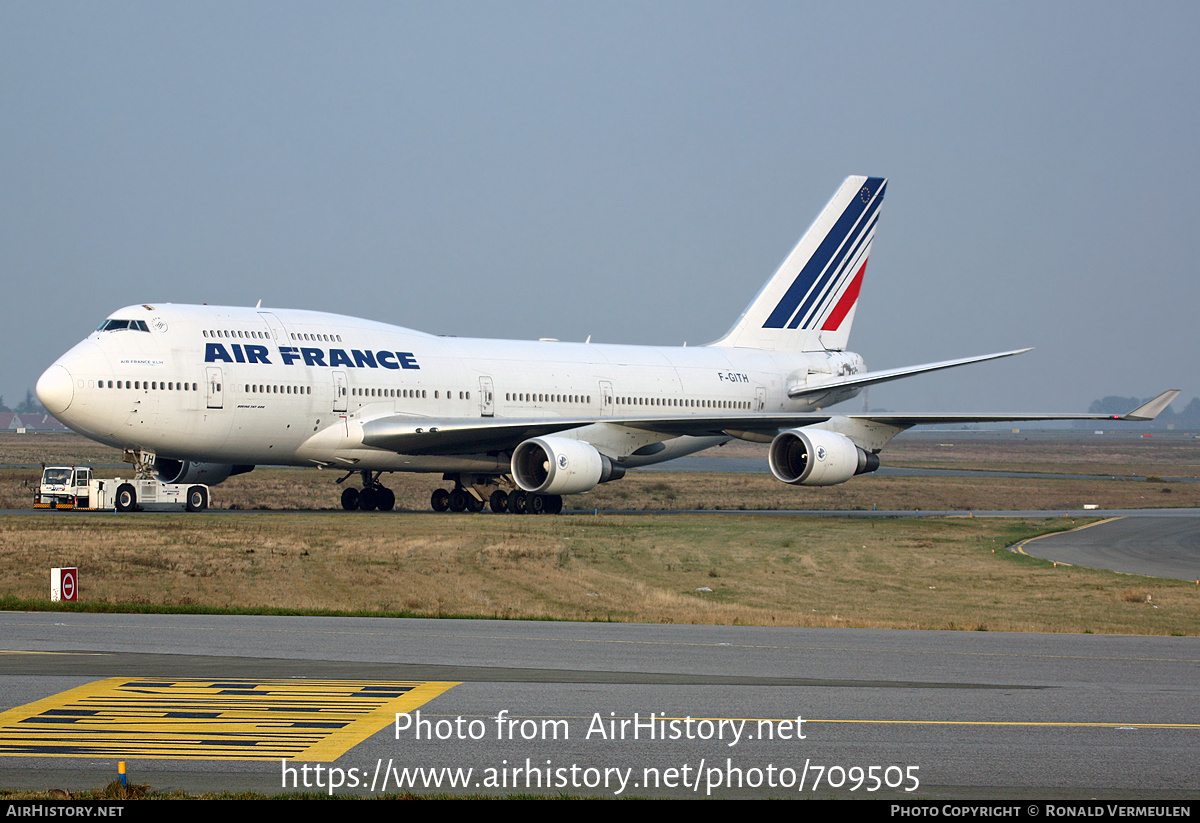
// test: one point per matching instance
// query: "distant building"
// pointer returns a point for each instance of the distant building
(40, 422)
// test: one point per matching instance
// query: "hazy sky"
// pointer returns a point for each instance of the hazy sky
(633, 171)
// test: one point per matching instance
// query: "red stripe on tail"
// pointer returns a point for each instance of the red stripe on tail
(849, 298)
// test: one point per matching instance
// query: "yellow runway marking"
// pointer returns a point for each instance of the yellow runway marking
(191, 719)
(1020, 547)
(1028, 723)
(812, 721)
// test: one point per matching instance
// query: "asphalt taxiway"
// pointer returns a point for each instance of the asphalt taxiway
(1146, 544)
(605, 708)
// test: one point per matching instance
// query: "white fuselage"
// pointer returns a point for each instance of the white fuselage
(285, 387)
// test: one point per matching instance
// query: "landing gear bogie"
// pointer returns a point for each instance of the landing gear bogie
(373, 495)
(472, 493)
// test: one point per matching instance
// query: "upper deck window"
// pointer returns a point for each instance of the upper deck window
(123, 325)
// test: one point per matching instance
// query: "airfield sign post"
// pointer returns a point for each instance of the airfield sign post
(64, 584)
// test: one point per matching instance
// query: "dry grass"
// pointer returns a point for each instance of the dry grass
(933, 574)
(54, 450)
(1121, 453)
(1167, 455)
(276, 489)
(290, 489)
(783, 571)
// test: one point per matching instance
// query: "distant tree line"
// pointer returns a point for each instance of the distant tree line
(29, 405)
(1189, 418)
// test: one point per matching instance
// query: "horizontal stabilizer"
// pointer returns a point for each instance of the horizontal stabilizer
(872, 377)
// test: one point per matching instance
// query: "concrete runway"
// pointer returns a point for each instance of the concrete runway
(965, 715)
(949, 715)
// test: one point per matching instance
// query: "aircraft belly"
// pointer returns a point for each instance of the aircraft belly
(379, 460)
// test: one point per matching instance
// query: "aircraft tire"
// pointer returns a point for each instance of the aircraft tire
(440, 500)
(499, 501)
(367, 500)
(197, 499)
(474, 504)
(350, 499)
(516, 502)
(385, 499)
(458, 500)
(535, 504)
(554, 504)
(126, 498)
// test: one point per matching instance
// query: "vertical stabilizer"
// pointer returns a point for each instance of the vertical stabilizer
(808, 305)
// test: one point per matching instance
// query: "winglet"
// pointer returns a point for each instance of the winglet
(1151, 408)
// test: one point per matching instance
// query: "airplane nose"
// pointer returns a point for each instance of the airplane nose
(55, 389)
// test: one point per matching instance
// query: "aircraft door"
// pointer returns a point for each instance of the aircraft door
(339, 391)
(214, 390)
(277, 330)
(607, 402)
(487, 403)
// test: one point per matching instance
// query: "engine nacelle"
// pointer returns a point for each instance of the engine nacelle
(187, 471)
(815, 457)
(560, 465)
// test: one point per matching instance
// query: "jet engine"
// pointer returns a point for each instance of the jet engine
(186, 471)
(815, 457)
(560, 465)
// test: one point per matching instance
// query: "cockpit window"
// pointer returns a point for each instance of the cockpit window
(123, 325)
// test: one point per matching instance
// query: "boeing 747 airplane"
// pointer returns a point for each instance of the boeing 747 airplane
(199, 393)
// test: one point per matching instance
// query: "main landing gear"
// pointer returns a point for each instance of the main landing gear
(471, 499)
(372, 496)
(470, 494)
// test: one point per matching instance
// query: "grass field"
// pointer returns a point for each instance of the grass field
(775, 571)
(795, 571)
(1120, 458)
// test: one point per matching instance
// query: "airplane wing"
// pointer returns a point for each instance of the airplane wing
(872, 377)
(422, 435)
(404, 434)
(1147, 411)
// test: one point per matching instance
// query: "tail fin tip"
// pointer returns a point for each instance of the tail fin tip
(809, 303)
